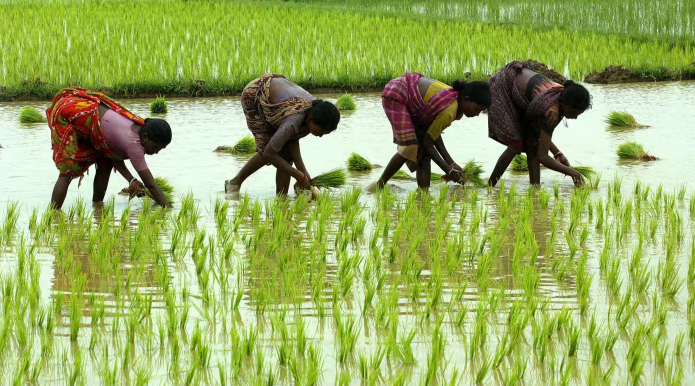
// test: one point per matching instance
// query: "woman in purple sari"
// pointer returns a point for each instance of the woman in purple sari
(526, 108)
(419, 109)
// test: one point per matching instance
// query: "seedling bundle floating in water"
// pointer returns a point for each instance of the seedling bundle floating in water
(402, 175)
(357, 163)
(634, 151)
(622, 119)
(30, 115)
(520, 163)
(159, 106)
(346, 103)
(246, 145)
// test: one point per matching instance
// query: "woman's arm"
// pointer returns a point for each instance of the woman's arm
(550, 162)
(276, 160)
(429, 147)
(558, 155)
(439, 145)
(154, 189)
(297, 157)
(121, 168)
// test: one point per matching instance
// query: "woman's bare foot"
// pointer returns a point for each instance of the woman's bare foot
(230, 186)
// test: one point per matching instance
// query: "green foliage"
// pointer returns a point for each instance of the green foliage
(402, 175)
(158, 106)
(472, 172)
(634, 151)
(586, 171)
(519, 163)
(29, 115)
(622, 119)
(166, 187)
(346, 103)
(357, 163)
(246, 145)
(332, 179)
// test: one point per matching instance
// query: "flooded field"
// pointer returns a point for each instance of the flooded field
(462, 286)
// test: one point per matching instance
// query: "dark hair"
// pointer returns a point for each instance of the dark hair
(325, 115)
(477, 91)
(575, 96)
(157, 130)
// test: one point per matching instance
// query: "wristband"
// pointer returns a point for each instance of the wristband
(131, 180)
(559, 153)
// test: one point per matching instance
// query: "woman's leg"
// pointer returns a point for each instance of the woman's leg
(534, 169)
(101, 179)
(60, 191)
(251, 166)
(424, 173)
(396, 163)
(502, 164)
(282, 182)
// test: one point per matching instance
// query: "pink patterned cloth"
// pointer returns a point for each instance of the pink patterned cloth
(513, 120)
(405, 108)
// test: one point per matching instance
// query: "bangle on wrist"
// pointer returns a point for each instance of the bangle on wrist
(131, 180)
(559, 153)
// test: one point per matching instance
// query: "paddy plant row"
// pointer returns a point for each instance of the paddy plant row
(456, 286)
(199, 48)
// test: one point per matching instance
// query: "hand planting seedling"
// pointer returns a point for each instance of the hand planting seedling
(246, 145)
(30, 115)
(622, 119)
(158, 106)
(471, 172)
(634, 151)
(346, 103)
(586, 171)
(141, 191)
(332, 179)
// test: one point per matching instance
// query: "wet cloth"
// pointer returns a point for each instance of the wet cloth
(514, 119)
(77, 139)
(264, 118)
(411, 116)
(122, 139)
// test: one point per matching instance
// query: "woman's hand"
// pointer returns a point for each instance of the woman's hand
(136, 189)
(559, 157)
(305, 182)
(578, 179)
(455, 175)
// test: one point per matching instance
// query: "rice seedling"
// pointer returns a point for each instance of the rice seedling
(345, 103)
(357, 163)
(520, 163)
(159, 105)
(586, 171)
(634, 151)
(621, 119)
(246, 145)
(402, 175)
(30, 115)
(332, 179)
(472, 172)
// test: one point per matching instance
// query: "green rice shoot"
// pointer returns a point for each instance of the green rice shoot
(357, 163)
(246, 145)
(159, 106)
(586, 171)
(436, 177)
(402, 175)
(472, 172)
(519, 163)
(332, 179)
(634, 151)
(346, 103)
(166, 187)
(621, 119)
(30, 115)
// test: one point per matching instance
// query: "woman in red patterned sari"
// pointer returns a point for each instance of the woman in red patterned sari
(526, 108)
(419, 109)
(87, 128)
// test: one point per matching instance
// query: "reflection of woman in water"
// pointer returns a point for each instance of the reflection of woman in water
(419, 109)
(279, 113)
(87, 128)
(526, 108)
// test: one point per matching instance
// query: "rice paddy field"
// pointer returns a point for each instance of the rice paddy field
(512, 285)
(216, 47)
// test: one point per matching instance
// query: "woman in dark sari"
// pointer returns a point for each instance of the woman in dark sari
(526, 108)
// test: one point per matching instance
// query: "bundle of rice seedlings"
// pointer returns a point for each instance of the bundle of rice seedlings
(519, 163)
(621, 119)
(166, 187)
(401, 175)
(29, 115)
(332, 179)
(586, 171)
(357, 163)
(436, 177)
(472, 172)
(634, 151)
(345, 103)
(159, 105)
(246, 145)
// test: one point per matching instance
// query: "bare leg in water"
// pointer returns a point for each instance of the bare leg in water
(60, 191)
(101, 181)
(253, 165)
(534, 169)
(282, 182)
(396, 163)
(424, 173)
(502, 164)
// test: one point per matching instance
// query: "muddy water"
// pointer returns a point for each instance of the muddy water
(201, 125)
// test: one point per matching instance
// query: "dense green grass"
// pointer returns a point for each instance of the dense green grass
(29, 115)
(159, 106)
(621, 119)
(634, 151)
(357, 163)
(346, 103)
(197, 48)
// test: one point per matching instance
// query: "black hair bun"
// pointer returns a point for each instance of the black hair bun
(568, 83)
(459, 85)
